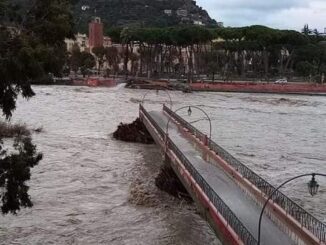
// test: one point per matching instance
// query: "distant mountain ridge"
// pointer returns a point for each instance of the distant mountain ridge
(138, 13)
(147, 13)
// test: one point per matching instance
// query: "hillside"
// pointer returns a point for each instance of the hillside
(158, 13)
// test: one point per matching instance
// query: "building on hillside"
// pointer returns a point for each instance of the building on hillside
(198, 23)
(182, 12)
(81, 40)
(107, 42)
(95, 38)
(168, 12)
(96, 33)
(69, 44)
(323, 34)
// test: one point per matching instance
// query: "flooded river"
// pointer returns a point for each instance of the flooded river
(91, 189)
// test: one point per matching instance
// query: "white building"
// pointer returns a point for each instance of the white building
(81, 40)
(168, 12)
(198, 23)
(182, 12)
(107, 42)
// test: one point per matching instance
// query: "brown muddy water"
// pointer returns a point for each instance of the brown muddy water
(91, 189)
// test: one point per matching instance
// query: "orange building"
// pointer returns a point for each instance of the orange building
(96, 33)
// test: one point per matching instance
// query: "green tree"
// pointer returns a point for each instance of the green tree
(14, 172)
(99, 52)
(304, 68)
(74, 60)
(31, 46)
(306, 30)
(86, 63)
(255, 51)
(113, 58)
(126, 39)
(211, 62)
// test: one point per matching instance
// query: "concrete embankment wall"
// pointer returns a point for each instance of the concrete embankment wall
(288, 88)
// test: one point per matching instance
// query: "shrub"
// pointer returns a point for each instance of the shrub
(8, 130)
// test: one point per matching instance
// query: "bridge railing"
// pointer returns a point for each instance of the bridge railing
(157, 127)
(306, 219)
(218, 203)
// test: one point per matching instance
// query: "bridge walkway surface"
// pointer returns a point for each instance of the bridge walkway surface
(242, 205)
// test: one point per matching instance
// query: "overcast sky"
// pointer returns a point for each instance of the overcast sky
(284, 14)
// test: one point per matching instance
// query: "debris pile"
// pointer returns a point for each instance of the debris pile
(169, 182)
(135, 132)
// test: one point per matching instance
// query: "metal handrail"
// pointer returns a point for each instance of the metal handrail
(157, 127)
(306, 219)
(218, 203)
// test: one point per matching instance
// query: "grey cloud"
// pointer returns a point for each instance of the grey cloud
(259, 4)
(274, 13)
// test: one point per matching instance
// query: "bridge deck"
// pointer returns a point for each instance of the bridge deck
(242, 206)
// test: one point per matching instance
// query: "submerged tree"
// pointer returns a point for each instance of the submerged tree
(31, 46)
(15, 170)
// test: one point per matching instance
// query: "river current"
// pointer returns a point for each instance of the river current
(92, 189)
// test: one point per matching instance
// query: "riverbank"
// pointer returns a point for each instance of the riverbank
(93, 81)
(298, 88)
(253, 87)
(237, 87)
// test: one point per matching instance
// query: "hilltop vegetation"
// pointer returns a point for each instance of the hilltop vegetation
(140, 13)
(136, 13)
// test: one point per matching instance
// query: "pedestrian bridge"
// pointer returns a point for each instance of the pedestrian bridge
(228, 194)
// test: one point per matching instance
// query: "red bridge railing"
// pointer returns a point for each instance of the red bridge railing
(307, 220)
(246, 237)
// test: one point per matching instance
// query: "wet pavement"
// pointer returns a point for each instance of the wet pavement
(226, 188)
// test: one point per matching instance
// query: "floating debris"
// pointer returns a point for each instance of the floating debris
(142, 195)
(38, 130)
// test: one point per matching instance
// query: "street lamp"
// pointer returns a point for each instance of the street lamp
(313, 187)
(157, 92)
(189, 111)
(189, 114)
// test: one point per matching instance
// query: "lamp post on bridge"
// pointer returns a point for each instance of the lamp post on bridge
(157, 92)
(312, 188)
(189, 113)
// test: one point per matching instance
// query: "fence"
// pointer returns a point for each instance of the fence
(306, 219)
(218, 203)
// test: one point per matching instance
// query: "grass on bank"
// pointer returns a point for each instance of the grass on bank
(8, 130)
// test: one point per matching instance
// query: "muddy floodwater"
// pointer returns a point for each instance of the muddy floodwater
(92, 189)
